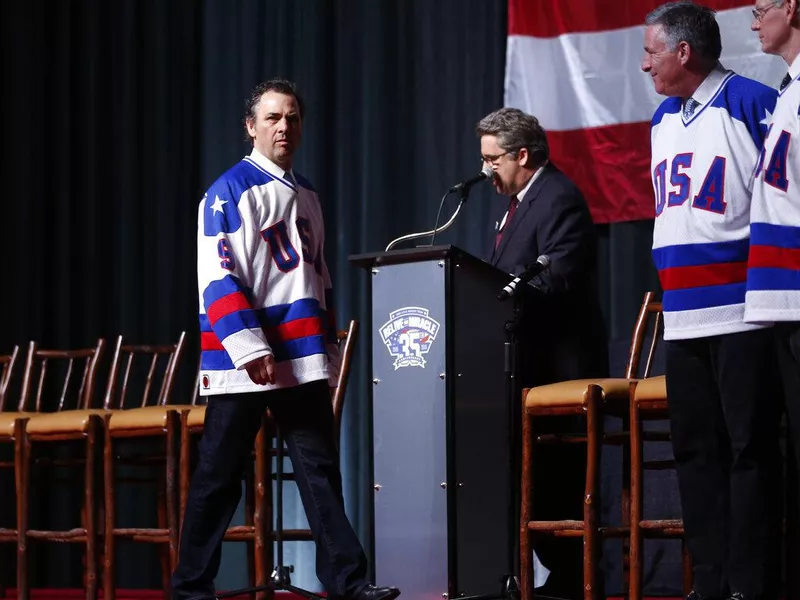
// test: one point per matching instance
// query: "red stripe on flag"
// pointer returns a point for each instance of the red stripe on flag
(293, 330)
(680, 278)
(227, 305)
(210, 341)
(611, 166)
(771, 257)
(542, 18)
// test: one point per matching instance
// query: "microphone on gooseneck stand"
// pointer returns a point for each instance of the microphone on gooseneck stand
(462, 191)
(486, 173)
(540, 265)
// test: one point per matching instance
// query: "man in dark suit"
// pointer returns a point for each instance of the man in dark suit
(561, 335)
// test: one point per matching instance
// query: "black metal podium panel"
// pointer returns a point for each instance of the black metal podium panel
(409, 427)
(442, 476)
(485, 520)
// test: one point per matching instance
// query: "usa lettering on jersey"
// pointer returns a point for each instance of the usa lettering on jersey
(702, 172)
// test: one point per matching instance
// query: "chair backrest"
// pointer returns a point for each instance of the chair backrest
(135, 370)
(7, 364)
(61, 365)
(347, 343)
(650, 319)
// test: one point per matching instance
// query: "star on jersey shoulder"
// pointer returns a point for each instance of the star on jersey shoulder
(217, 205)
(767, 120)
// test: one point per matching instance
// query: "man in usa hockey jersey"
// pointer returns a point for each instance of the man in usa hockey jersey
(705, 140)
(266, 341)
(773, 277)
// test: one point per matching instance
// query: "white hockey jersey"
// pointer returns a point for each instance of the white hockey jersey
(702, 171)
(773, 277)
(264, 286)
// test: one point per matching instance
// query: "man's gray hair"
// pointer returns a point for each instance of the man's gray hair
(685, 21)
(780, 3)
(515, 130)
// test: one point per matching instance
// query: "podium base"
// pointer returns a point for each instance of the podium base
(281, 582)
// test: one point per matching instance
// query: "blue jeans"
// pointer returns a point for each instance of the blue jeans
(304, 415)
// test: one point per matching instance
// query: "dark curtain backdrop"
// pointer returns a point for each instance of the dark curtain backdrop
(119, 115)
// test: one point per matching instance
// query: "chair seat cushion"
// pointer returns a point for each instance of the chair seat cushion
(573, 393)
(7, 420)
(651, 389)
(196, 416)
(147, 417)
(67, 421)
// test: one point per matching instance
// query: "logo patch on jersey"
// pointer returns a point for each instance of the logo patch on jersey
(408, 335)
(205, 382)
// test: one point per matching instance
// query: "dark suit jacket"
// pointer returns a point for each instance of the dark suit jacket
(562, 335)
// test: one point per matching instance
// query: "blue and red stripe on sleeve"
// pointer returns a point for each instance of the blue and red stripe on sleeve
(696, 276)
(293, 331)
(774, 257)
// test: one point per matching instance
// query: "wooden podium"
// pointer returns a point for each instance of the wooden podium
(444, 486)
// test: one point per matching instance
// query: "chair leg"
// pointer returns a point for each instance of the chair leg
(260, 526)
(591, 499)
(173, 510)
(109, 591)
(688, 577)
(526, 508)
(635, 545)
(22, 464)
(625, 502)
(89, 504)
(184, 468)
(163, 549)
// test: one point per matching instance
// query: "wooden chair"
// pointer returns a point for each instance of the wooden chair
(8, 424)
(258, 513)
(82, 424)
(592, 398)
(648, 401)
(150, 417)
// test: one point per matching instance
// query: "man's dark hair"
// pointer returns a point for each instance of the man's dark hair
(515, 130)
(685, 21)
(277, 84)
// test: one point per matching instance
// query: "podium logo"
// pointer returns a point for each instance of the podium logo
(409, 334)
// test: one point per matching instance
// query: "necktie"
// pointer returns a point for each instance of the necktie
(786, 81)
(512, 207)
(689, 107)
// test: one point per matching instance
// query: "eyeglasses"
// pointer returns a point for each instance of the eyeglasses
(492, 160)
(759, 12)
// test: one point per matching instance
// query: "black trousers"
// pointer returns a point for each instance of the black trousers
(724, 404)
(305, 417)
(788, 341)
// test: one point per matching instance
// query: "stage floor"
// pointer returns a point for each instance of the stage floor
(55, 594)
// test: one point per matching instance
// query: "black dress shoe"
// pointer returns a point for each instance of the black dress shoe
(373, 592)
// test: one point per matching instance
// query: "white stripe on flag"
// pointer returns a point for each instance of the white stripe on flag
(594, 79)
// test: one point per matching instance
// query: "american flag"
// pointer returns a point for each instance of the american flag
(576, 66)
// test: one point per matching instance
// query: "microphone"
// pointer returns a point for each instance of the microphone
(542, 264)
(486, 173)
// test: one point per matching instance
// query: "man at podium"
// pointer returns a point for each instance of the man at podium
(561, 335)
